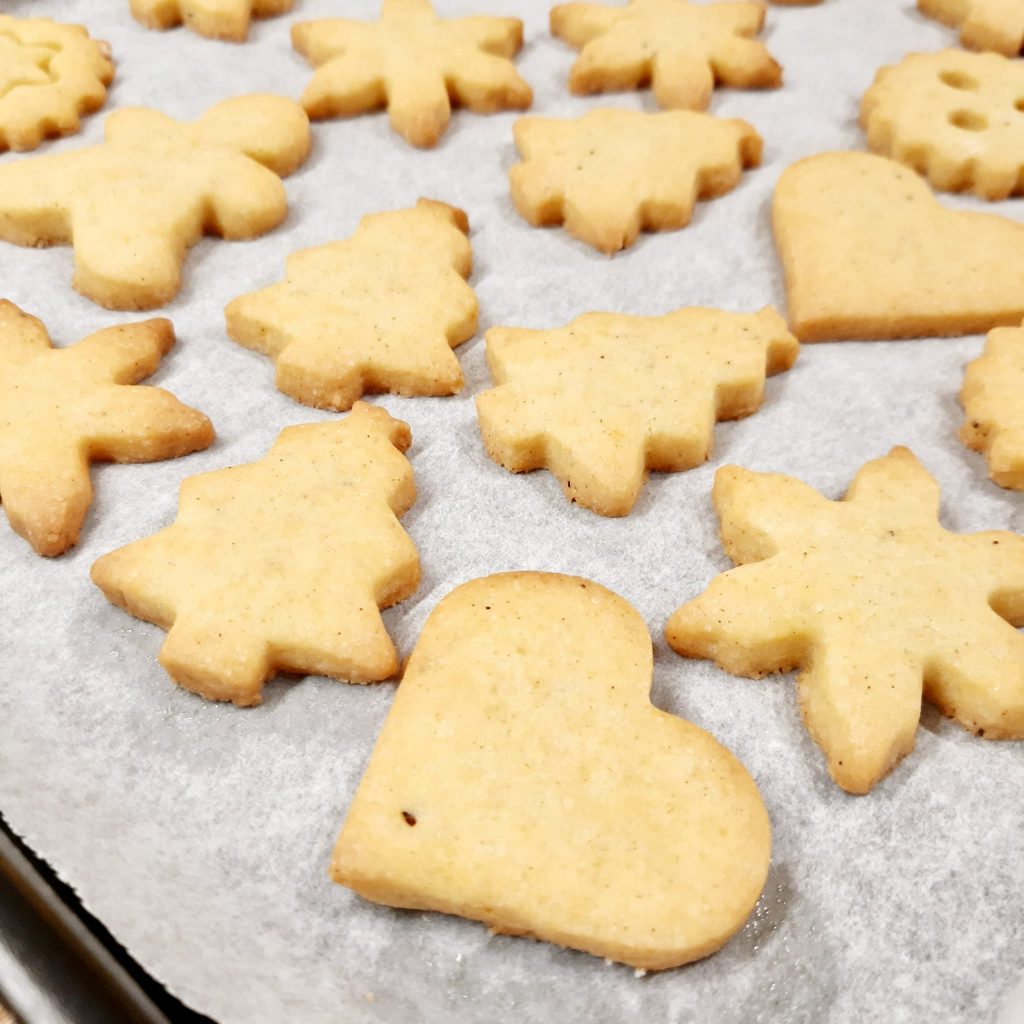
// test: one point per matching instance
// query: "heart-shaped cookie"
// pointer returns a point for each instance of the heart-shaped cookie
(523, 779)
(869, 253)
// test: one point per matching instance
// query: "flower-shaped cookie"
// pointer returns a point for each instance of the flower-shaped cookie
(956, 117)
(680, 49)
(984, 24)
(993, 400)
(219, 19)
(62, 408)
(415, 64)
(50, 73)
(612, 173)
(874, 600)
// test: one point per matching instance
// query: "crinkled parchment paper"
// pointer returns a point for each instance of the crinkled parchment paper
(200, 834)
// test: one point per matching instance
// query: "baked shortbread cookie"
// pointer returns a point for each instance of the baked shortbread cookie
(868, 253)
(993, 400)
(280, 565)
(984, 24)
(954, 117)
(605, 399)
(380, 311)
(613, 173)
(680, 49)
(50, 73)
(218, 19)
(874, 600)
(524, 779)
(415, 64)
(62, 408)
(132, 205)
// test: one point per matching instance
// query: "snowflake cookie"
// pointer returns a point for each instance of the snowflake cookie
(874, 600)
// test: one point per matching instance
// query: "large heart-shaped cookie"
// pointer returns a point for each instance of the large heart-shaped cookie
(869, 253)
(524, 779)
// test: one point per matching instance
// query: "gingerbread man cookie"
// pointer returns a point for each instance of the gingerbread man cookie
(219, 19)
(523, 779)
(50, 73)
(868, 253)
(62, 408)
(984, 24)
(415, 64)
(874, 600)
(380, 311)
(681, 49)
(605, 399)
(993, 400)
(133, 205)
(953, 116)
(280, 565)
(612, 173)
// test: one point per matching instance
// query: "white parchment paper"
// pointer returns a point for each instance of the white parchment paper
(200, 834)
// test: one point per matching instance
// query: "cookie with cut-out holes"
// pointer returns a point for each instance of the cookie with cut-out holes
(415, 64)
(611, 174)
(132, 205)
(280, 565)
(50, 73)
(874, 600)
(221, 19)
(984, 24)
(868, 252)
(605, 399)
(62, 408)
(380, 311)
(524, 779)
(681, 49)
(955, 117)
(993, 401)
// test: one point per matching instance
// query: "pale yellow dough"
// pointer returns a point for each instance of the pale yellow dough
(955, 117)
(680, 49)
(869, 253)
(605, 399)
(218, 19)
(613, 173)
(62, 408)
(874, 600)
(415, 64)
(132, 205)
(993, 401)
(984, 24)
(50, 73)
(523, 779)
(280, 565)
(380, 311)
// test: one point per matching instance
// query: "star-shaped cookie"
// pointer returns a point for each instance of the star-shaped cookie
(679, 48)
(868, 252)
(50, 73)
(613, 173)
(874, 600)
(605, 399)
(380, 311)
(984, 24)
(280, 565)
(62, 408)
(133, 205)
(415, 64)
(218, 19)
(993, 401)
